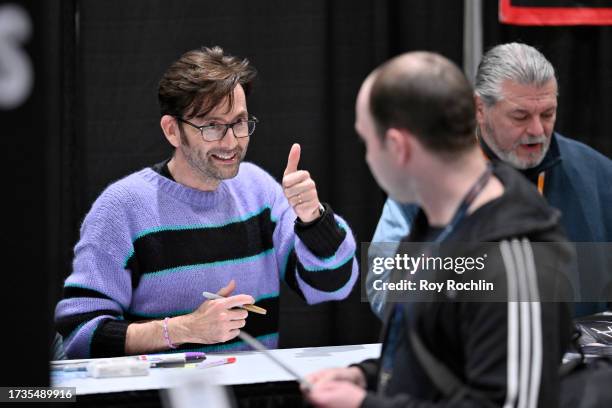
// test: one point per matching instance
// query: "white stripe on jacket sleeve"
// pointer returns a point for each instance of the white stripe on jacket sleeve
(524, 350)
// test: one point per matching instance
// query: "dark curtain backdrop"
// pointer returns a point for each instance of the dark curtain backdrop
(311, 57)
(31, 133)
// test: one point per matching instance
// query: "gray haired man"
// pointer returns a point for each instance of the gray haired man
(516, 106)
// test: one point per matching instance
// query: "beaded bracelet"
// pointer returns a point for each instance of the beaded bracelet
(165, 333)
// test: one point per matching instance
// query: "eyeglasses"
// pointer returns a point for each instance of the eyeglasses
(217, 131)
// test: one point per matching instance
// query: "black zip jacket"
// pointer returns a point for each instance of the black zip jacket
(507, 353)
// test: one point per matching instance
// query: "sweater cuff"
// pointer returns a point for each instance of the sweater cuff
(109, 339)
(322, 236)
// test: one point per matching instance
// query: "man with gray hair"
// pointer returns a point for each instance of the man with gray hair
(516, 100)
(516, 105)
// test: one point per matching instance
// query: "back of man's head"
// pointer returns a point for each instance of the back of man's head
(200, 80)
(514, 62)
(427, 95)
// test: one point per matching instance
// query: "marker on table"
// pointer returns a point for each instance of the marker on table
(250, 308)
(172, 358)
(154, 360)
(207, 364)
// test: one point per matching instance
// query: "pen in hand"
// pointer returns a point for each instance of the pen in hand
(250, 308)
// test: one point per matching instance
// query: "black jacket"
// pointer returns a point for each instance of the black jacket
(502, 350)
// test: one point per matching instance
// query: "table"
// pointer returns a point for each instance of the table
(248, 373)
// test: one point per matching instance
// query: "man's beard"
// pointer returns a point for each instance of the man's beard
(204, 165)
(510, 156)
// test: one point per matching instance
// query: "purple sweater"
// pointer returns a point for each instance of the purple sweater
(149, 247)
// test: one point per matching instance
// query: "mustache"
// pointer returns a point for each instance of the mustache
(224, 152)
(530, 140)
(533, 139)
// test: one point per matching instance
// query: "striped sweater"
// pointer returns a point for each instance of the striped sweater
(149, 247)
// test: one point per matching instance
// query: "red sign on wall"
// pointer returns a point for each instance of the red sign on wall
(555, 12)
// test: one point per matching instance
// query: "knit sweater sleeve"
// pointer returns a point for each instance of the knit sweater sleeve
(90, 315)
(316, 260)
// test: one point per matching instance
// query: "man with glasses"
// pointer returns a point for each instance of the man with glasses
(201, 221)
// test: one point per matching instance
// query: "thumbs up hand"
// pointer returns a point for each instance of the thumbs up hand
(300, 189)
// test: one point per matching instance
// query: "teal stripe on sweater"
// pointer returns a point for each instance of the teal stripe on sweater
(266, 296)
(76, 285)
(172, 313)
(238, 261)
(129, 256)
(161, 315)
(235, 220)
(212, 348)
(69, 337)
(91, 336)
(328, 267)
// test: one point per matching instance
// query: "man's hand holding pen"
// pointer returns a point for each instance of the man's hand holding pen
(214, 321)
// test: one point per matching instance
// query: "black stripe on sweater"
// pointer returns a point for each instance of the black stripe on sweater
(290, 276)
(66, 325)
(167, 249)
(109, 338)
(76, 292)
(323, 237)
(327, 280)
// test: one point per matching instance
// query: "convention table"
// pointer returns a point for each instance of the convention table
(254, 378)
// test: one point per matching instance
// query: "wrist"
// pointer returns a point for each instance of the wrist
(165, 334)
(178, 331)
(316, 214)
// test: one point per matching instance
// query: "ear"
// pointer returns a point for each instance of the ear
(480, 107)
(398, 143)
(171, 130)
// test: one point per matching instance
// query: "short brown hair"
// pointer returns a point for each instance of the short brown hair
(200, 80)
(428, 95)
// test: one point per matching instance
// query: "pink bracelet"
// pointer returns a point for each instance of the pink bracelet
(165, 333)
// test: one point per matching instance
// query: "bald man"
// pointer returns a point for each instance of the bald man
(416, 115)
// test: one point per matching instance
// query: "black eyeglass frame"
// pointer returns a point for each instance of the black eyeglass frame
(252, 119)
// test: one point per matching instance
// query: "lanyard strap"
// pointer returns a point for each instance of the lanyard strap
(465, 204)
